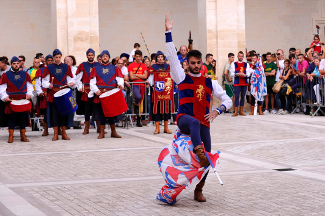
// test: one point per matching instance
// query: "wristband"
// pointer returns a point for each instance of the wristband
(221, 109)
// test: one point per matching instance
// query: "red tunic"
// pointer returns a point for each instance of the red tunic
(59, 74)
(85, 68)
(42, 100)
(105, 77)
(16, 86)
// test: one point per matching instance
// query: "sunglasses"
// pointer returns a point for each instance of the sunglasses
(278, 54)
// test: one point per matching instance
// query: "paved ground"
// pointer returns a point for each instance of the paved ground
(86, 176)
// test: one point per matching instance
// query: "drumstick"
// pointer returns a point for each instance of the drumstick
(52, 80)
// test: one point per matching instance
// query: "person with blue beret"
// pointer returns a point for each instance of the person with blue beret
(16, 84)
(57, 52)
(83, 86)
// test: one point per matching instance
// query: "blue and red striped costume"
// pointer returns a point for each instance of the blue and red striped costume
(194, 98)
(240, 68)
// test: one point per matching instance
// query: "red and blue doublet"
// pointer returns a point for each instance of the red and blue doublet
(41, 101)
(194, 98)
(105, 78)
(86, 68)
(60, 73)
(163, 90)
(240, 68)
(16, 86)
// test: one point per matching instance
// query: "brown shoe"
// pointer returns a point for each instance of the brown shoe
(11, 136)
(252, 112)
(157, 131)
(260, 111)
(23, 137)
(113, 132)
(86, 130)
(166, 130)
(198, 196)
(98, 128)
(236, 112)
(56, 133)
(241, 111)
(64, 134)
(45, 130)
(198, 150)
(101, 133)
(144, 122)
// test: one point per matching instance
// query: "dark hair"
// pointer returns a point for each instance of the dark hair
(301, 55)
(38, 55)
(292, 56)
(114, 61)
(254, 55)
(208, 55)
(292, 49)
(23, 57)
(268, 53)
(194, 53)
(287, 61)
(230, 55)
(153, 56)
(98, 57)
(252, 51)
(74, 62)
(307, 49)
(138, 52)
(316, 36)
(136, 45)
(240, 52)
(4, 59)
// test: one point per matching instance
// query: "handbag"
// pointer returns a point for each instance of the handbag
(284, 89)
(277, 86)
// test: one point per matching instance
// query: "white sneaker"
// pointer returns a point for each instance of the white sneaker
(280, 112)
(119, 124)
(273, 111)
(298, 110)
(150, 124)
(266, 112)
(285, 112)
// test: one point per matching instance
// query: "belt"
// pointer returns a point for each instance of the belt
(105, 89)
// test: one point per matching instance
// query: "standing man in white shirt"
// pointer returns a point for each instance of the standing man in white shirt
(132, 54)
(240, 70)
(279, 63)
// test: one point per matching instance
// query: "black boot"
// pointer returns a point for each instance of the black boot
(139, 121)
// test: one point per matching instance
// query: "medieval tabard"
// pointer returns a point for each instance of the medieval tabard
(163, 88)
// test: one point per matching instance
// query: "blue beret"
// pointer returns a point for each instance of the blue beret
(159, 53)
(48, 56)
(105, 52)
(14, 59)
(57, 52)
(90, 50)
(125, 55)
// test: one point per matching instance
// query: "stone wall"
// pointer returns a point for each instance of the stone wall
(121, 21)
(25, 28)
(275, 24)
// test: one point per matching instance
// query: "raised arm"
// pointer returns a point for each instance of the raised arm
(176, 71)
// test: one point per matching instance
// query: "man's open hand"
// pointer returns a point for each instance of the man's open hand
(168, 24)
(211, 116)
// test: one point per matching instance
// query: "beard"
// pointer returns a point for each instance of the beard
(90, 59)
(192, 70)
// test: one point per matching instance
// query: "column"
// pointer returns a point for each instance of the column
(225, 27)
(76, 27)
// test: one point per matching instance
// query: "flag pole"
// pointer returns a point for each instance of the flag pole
(145, 44)
(215, 171)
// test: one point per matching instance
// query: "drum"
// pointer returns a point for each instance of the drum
(65, 102)
(113, 103)
(22, 105)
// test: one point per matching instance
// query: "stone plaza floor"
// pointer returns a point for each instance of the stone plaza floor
(87, 176)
